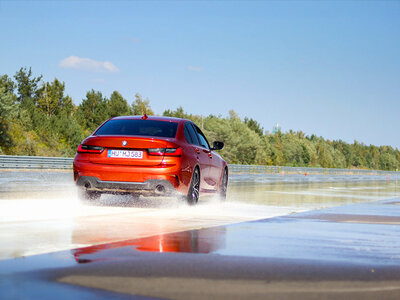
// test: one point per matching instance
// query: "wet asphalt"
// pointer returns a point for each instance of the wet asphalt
(344, 252)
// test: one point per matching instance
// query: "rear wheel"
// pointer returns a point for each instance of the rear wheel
(224, 186)
(193, 195)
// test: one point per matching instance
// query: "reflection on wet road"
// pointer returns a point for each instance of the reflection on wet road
(324, 236)
(207, 240)
(40, 213)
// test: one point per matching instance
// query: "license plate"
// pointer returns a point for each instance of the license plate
(125, 154)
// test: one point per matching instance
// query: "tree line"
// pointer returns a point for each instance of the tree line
(38, 118)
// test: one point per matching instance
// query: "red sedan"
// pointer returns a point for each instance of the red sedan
(149, 156)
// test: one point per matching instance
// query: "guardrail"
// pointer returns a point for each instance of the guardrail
(305, 170)
(40, 162)
(35, 162)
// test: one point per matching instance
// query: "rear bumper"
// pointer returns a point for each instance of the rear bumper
(149, 187)
(120, 178)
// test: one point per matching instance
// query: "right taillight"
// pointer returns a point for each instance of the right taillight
(90, 149)
(165, 151)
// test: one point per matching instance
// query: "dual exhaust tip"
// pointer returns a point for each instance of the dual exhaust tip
(159, 190)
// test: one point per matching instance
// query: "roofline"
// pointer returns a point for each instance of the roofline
(155, 118)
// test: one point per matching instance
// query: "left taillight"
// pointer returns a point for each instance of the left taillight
(165, 151)
(90, 149)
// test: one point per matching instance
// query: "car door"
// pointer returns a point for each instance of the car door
(201, 153)
(216, 169)
(211, 177)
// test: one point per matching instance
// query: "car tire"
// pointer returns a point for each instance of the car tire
(194, 190)
(224, 186)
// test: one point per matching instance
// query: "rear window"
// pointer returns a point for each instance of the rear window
(139, 127)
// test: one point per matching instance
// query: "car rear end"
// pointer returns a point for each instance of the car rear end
(130, 155)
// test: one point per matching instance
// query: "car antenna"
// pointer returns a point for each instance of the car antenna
(145, 117)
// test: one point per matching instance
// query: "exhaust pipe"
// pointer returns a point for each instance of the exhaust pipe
(160, 189)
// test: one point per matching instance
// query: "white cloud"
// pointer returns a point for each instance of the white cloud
(195, 69)
(83, 63)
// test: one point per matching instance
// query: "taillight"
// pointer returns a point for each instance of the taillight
(90, 149)
(156, 151)
(173, 151)
(165, 151)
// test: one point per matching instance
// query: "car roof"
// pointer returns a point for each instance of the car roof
(155, 118)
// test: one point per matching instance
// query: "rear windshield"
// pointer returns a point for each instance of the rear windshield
(138, 127)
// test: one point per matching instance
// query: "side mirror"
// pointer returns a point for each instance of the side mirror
(217, 146)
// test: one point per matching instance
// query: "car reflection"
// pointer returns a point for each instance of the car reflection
(193, 241)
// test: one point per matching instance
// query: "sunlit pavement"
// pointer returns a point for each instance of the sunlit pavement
(165, 249)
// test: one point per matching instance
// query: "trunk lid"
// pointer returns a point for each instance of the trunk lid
(130, 151)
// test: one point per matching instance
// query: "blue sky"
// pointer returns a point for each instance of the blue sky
(331, 68)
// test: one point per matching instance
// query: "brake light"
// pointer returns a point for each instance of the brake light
(156, 151)
(173, 151)
(165, 151)
(90, 149)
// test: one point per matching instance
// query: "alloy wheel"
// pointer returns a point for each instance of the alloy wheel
(193, 195)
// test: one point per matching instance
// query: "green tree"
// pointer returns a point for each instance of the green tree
(359, 155)
(179, 113)
(52, 100)
(68, 134)
(387, 161)
(140, 106)
(292, 149)
(92, 111)
(67, 106)
(346, 150)
(324, 152)
(277, 156)
(372, 157)
(7, 83)
(242, 145)
(254, 125)
(118, 106)
(8, 110)
(27, 86)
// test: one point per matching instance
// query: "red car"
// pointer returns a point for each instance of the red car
(149, 156)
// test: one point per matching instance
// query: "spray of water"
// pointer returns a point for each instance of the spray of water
(40, 211)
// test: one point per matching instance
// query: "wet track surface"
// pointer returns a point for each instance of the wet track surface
(40, 212)
(268, 231)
